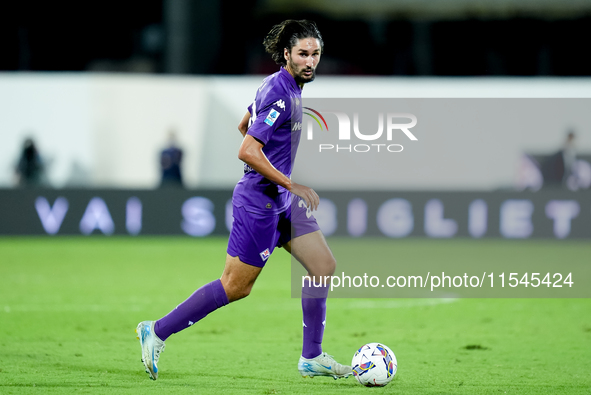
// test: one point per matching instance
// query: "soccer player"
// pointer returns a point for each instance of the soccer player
(269, 209)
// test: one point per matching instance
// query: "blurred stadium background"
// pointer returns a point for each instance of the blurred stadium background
(99, 89)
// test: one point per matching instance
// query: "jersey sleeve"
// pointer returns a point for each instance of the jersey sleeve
(275, 111)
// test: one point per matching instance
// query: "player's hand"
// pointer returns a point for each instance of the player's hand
(308, 194)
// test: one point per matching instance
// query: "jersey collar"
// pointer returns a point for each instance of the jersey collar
(290, 78)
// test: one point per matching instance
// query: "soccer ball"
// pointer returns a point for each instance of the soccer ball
(374, 365)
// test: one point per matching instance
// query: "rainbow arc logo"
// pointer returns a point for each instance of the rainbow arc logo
(315, 118)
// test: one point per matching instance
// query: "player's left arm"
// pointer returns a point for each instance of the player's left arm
(243, 125)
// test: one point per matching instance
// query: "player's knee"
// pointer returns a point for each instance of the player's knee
(331, 266)
(243, 292)
(326, 268)
(236, 291)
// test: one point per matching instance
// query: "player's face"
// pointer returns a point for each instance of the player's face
(303, 59)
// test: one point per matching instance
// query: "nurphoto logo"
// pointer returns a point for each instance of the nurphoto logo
(380, 141)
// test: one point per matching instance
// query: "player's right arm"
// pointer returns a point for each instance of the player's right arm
(251, 153)
(308, 194)
(243, 125)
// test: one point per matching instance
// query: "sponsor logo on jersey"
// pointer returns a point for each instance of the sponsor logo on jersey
(265, 255)
(272, 117)
(280, 103)
(296, 126)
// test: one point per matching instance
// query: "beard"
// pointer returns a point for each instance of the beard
(299, 77)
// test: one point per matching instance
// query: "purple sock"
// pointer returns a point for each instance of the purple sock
(314, 309)
(206, 299)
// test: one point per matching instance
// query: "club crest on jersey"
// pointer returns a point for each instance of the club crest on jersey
(272, 117)
(265, 255)
(280, 103)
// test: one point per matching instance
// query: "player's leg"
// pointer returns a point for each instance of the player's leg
(244, 261)
(312, 251)
(152, 334)
(243, 265)
(238, 278)
(301, 236)
(236, 283)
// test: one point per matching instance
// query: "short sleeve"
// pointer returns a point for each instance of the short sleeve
(269, 118)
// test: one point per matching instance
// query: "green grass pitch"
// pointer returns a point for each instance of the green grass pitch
(69, 307)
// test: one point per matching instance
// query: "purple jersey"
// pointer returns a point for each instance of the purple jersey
(276, 107)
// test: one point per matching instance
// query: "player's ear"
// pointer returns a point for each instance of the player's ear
(286, 53)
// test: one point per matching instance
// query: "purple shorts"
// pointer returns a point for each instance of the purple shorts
(254, 236)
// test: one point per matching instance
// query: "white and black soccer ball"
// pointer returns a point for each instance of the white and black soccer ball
(374, 365)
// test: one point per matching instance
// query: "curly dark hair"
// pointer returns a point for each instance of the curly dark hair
(286, 35)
